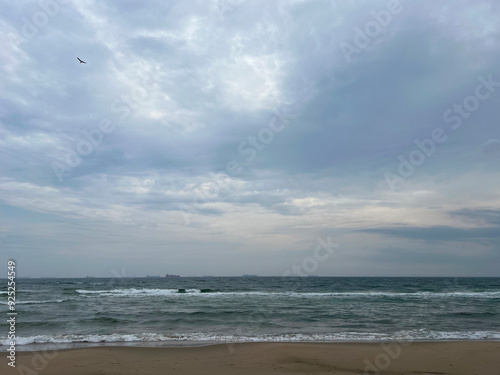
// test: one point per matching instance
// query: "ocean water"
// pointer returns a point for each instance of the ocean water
(181, 311)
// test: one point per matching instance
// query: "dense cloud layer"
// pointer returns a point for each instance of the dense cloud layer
(228, 136)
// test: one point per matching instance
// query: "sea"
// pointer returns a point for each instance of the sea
(207, 310)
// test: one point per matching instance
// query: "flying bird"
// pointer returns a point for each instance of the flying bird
(81, 61)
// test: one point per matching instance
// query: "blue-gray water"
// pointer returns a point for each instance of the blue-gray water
(232, 309)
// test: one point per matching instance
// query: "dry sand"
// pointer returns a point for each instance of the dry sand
(468, 358)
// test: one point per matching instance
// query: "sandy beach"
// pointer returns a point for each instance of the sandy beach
(467, 358)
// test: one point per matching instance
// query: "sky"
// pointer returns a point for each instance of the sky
(224, 137)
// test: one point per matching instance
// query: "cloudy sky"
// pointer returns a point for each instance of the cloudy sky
(226, 137)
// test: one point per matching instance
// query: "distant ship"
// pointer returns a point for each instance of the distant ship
(169, 275)
(247, 275)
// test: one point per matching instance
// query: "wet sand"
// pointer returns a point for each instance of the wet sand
(467, 358)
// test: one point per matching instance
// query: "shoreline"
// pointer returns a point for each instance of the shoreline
(451, 357)
(35, 347)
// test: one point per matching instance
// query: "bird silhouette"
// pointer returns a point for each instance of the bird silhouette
(81, 61)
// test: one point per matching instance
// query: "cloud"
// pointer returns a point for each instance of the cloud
(439, 233)
(175, 93)
(491, 147)
(480, 216)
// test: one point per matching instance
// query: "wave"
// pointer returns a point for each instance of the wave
(18, 302)
(418, 335)
(138, 292)
(133, 292)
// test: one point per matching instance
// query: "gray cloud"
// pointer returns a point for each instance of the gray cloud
(480, 216)
(439, 233)
(109, 157)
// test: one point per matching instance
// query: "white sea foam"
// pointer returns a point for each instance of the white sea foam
(136, 292)
(415, 335)
(133, 292)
